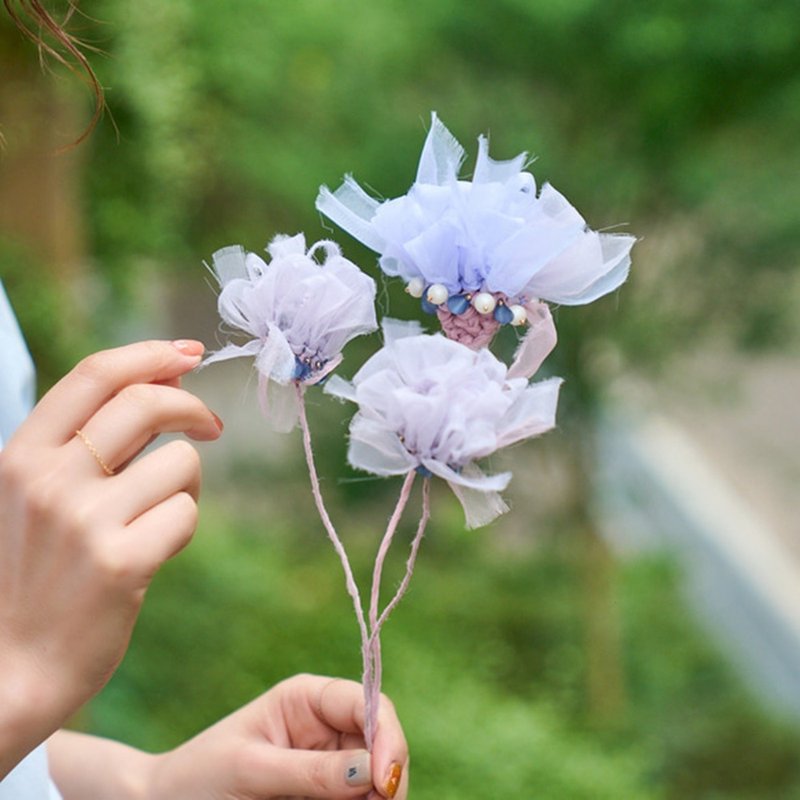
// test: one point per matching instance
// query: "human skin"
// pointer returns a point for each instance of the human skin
(80, 548)
(302, 738)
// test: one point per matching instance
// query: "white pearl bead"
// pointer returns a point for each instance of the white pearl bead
(484, 303)
(520, 315)
(437, 294)
(415, 287)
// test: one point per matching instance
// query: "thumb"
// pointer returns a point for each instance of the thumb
(310, 773)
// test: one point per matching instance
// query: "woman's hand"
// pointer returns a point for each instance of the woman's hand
(303, 738)
(83, 528)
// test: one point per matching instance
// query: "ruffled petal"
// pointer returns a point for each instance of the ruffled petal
(489, 234)
(376, 449)
(526, 254)
(470, 477)
(336, 386)
(537, 343)
(532, 414)
(488, 170)
(480, 508)
(441, 157)
(229, 263)
(477, 493)
(283, 246)
(279, 404)
(250, 348)
(276, 360)
(352, 209)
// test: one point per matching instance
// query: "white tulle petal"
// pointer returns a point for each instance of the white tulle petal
(480, 508)
(430, 402)
(336, 386)
(487, 170)
(492, 233)
(229, 263)
(281, 406)
(470, 477)
(592, 266)
(275, 359)
(352, 210)
(250, 349)
(376, 449)
(395, 329)
(301, 309)
(442, 155)
(532, 414)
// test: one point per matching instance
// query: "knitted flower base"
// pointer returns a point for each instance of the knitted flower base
(471, 328)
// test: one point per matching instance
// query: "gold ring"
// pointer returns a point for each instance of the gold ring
(93, 450)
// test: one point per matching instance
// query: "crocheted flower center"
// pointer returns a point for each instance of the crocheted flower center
(473, 329)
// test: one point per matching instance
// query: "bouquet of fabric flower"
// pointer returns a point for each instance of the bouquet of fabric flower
(479, 255)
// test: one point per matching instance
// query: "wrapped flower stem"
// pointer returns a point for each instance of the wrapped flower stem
(352, 586)
(370, 637)
(376, 622)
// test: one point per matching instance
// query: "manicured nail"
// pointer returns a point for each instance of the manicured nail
(358, 772)
(220, 423)
(189, 347)
(393, 783)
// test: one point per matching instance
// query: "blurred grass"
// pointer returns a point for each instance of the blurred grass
(484, 659)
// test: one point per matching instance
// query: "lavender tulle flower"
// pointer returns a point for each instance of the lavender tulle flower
(487, 246)
(432, 404)
(300, 313)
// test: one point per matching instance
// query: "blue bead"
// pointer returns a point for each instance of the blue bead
(301, 370)
(503, 314)
(457, 303)
(427, 306)
(424, 471)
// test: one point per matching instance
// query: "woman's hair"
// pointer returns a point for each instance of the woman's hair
(53, 40)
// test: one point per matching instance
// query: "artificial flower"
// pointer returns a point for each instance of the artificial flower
(488, 246)
(429, 403)
(299, 312)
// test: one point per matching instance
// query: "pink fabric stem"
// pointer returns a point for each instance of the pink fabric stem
(374, 641)
(352, 587)
(370, 637)
(412, 557)
(372, 686)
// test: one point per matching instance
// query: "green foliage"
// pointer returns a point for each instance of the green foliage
(51, 326)
(484, 660)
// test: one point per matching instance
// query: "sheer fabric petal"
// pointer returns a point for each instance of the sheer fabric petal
(493, 233)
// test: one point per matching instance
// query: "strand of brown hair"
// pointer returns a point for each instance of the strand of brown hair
(53, 40)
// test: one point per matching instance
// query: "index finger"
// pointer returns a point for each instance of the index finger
(96, 379)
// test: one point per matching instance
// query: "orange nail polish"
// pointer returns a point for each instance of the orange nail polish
(392, 785)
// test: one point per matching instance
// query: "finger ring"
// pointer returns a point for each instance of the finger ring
(93, 450)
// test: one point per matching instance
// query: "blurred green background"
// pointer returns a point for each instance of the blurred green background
(527, 660)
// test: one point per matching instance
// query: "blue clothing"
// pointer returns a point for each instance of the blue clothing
(29, 780)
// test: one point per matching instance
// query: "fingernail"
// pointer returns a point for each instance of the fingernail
(393, 782)
(189, 347)
(219, 422)
(358, 771)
